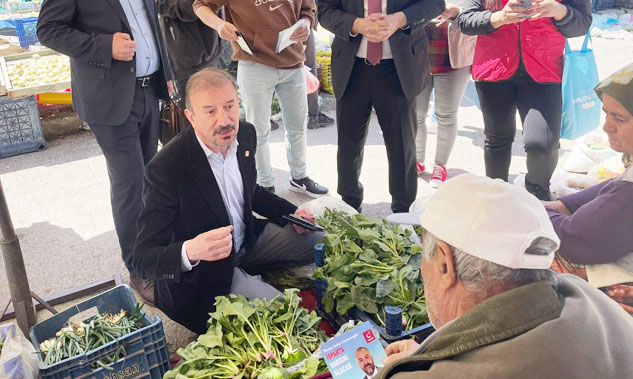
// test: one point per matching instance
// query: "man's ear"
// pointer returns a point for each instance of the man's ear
(189, 115)
(446, 263)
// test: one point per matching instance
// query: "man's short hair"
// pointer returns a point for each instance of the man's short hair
(361, 348)
(209, 77)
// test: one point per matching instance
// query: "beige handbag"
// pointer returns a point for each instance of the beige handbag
(461, 47)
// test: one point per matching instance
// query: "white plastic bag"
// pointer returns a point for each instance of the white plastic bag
(590, 150)
(17, 359)
(573, 183)
(609, 169)
(318, 206)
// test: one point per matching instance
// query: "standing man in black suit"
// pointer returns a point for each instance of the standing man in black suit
(116, 54)
(379, 60)
(198, 238)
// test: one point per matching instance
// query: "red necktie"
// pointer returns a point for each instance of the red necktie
(374, 49)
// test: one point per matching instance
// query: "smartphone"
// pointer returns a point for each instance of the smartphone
(303, 223)
(525, 3)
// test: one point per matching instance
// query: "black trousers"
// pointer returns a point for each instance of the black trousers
(540, 108)
(127, 149)
(378, 87)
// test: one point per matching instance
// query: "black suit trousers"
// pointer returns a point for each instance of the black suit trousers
(127, 149)
(378, 87)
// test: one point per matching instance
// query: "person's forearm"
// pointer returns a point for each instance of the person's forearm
(357, 25)
(496, 19)
(209, 17)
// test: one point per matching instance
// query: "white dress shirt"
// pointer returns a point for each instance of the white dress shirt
(229, 178)
(147, 54)
(386, 48)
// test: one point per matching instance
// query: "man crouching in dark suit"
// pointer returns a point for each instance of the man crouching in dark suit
(198, 238)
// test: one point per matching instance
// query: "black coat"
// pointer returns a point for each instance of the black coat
(409, 46)
(191, 45)
(182, 199)
(102, 88)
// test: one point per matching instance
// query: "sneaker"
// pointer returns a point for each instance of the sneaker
(313, 122)
(324, 120)
(307, 186)
(420, 167)
(274, 125)
(439, 175)
(270, 189)
(320, 121)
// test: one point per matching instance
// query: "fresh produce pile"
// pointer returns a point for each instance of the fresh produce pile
(39, 70)
(254, 339)
(79, 338)
(371, 264)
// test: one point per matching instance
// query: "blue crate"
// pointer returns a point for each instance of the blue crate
(600, 5)
(20, 126)
(26, 29)
(144, 351)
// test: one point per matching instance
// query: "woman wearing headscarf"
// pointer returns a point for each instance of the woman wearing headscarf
(595, 225)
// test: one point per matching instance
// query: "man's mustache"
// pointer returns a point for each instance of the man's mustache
(224, 129)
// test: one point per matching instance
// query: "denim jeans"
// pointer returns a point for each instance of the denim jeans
(449, 90)
(257, 83)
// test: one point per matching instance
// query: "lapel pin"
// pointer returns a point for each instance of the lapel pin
(247, 153)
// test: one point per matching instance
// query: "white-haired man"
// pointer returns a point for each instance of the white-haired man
(498, 309)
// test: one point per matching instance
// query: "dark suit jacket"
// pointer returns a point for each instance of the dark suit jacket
(102, 88)
(191, 44)
(409, 46)
(182, 199)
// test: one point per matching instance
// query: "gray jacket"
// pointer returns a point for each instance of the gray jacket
(559, 329)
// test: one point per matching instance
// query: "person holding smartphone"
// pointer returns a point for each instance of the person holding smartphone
(518, 64)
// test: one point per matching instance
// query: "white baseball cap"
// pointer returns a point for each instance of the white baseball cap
(487, 218)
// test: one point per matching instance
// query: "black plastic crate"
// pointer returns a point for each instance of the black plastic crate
(144, 351)
(20, 126)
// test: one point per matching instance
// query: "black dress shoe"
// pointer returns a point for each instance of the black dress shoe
(144, 287)
(270, 189)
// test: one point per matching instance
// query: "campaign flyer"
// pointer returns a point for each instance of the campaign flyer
(355, 354)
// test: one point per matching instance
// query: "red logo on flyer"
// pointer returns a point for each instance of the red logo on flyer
(369, 336)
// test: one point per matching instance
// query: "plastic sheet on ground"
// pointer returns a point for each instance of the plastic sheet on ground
(612, 26)
(17, 359)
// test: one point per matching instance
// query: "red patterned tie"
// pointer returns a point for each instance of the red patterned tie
(374, 49)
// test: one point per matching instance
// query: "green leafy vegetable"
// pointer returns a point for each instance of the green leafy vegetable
(253, 339)
(371, 264)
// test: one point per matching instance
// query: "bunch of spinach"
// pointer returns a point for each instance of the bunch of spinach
(257, 338)
(371, 264)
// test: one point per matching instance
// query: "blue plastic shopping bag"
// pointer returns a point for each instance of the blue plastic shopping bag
(581, 105)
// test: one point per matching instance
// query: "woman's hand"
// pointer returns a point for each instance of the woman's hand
(451, 11)
(512, 13)
(546, 9)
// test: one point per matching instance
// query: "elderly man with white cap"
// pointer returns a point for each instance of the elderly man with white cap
(498, 309)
